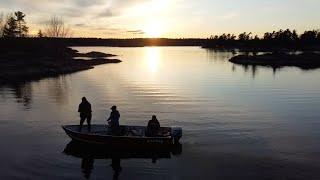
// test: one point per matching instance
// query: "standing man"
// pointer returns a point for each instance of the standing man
(85, 113)
(114, 120)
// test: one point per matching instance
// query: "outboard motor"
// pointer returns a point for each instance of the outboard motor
(176, 133)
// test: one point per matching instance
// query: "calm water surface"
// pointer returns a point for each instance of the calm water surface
(239, 122)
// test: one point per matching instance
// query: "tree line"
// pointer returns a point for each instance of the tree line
(282, 38)
(14, 25)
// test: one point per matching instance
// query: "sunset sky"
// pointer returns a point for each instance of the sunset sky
(168, 18)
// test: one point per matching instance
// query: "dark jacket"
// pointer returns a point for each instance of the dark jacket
(84, 108)
(114, 117)
(153, 126)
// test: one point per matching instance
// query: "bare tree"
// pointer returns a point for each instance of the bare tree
(57, 28)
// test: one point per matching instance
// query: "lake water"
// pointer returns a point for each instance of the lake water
(238, 122)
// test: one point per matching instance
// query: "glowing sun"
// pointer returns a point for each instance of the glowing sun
(154, 30)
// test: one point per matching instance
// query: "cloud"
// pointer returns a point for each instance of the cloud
(80, 13)
(87, 3)
(118, 30)
(105, 13)
(70, 8)
(80, 25)
(136, 31)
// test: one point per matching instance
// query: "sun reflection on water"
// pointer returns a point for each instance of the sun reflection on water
(153, 59)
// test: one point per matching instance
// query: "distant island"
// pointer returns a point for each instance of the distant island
(281, 48)
(279, 59)
(23, 61)
(24, 58)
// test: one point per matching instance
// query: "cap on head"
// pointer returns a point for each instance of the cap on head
(84, 99)
(114, 107)
(154, 117)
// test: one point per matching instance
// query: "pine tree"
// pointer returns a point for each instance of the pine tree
(40, 34)
(22, 28)
(10, 29)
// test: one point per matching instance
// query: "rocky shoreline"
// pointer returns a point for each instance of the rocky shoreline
(21, 66)
(306, 60)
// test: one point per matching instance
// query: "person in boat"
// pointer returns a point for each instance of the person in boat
(114, 120)
(85, 113)
(153, 127)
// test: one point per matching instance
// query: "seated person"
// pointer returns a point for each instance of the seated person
(153, 127)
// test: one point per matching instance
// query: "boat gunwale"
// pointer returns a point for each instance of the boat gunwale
(135, 137)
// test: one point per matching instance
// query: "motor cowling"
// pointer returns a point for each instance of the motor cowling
(176, 134)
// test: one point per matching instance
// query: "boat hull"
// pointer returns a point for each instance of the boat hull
(95, 151)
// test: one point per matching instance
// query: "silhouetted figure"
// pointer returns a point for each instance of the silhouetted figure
(85, 113)
(113, 121)
(154, 160)
(87, 166)
(115, 164)
(153, 127)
